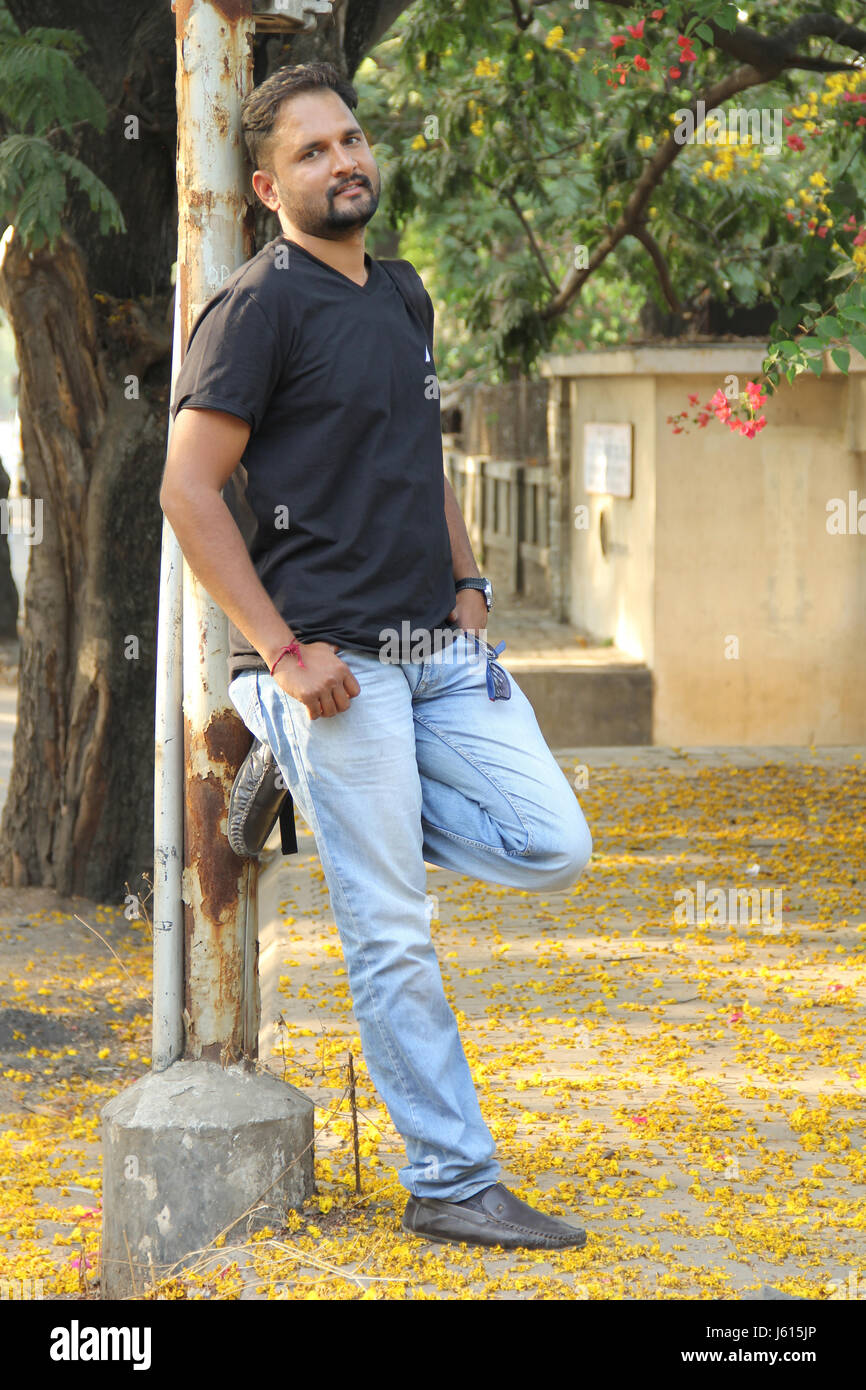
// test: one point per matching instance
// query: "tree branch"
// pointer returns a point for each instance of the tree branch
(533, 241)
(773, 54)
(645, 237)
(633, 213)
(523, 21)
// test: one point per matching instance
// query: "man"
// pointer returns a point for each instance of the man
(310, 368)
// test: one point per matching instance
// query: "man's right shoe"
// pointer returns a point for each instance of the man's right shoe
(501, 1219)
(258, 798)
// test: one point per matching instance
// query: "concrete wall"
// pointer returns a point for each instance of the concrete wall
(612, 594)
(721, 573)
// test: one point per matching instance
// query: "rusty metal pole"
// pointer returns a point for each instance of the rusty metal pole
(214, 74)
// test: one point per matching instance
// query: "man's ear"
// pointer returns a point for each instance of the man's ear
(264, 189)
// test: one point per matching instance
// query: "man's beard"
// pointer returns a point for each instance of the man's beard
(338, 217)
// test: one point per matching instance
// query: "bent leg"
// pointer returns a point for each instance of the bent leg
(495, 803)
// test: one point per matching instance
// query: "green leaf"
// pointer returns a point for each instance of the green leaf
(811, 308)
(858, 343)
(846, 268)
(842, 358)
(815, 364)
(857, 312)
(705, 32)
(828, 327)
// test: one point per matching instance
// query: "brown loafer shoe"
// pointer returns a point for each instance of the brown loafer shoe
(503, 1220)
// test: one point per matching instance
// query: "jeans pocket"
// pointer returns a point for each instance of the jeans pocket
(244, 695)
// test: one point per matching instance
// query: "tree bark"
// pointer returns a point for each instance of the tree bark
(79, 810)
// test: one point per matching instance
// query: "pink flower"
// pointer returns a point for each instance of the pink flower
(641, 63)
(860, 238)
(657, 14)
(617, 40)
(702, 419)
(735, 1018)
(636, 30)
(796, 143)
(693, 400)
(675, 72)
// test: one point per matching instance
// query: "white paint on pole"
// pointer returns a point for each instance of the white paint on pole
(168, 789)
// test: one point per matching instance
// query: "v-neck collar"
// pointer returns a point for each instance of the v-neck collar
(368, 262)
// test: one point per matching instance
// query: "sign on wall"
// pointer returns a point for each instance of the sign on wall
(607, 459)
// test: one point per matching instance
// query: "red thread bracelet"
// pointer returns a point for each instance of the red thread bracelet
(293, 649)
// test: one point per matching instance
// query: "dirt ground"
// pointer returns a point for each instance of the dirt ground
(692, 1092)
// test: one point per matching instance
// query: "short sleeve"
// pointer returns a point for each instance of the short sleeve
(233, 360)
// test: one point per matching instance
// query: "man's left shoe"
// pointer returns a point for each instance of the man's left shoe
(499, 1219)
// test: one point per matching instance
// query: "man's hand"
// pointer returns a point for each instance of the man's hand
(324, 684)
(470, 611)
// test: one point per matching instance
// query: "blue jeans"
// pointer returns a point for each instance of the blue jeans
(421, 766)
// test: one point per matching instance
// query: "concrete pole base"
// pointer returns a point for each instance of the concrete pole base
(186, 1153)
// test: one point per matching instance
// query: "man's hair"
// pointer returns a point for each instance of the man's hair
(261, 107)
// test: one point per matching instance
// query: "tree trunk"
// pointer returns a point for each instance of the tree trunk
(79, 811)
(87, 318)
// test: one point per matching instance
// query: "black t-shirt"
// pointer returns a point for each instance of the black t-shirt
(341, 493)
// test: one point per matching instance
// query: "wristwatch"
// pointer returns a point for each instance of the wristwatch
(483, 584)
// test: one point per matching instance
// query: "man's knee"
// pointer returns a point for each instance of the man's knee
(574, 854)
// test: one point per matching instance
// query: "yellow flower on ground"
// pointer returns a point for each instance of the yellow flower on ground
(555, 37)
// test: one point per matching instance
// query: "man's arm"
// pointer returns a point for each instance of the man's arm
(461, 548)
(205, 449)
(470, 608)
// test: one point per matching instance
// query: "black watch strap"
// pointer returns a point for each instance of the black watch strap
(483, 584)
